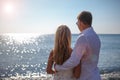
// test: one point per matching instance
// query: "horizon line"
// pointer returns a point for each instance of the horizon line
(54, 33)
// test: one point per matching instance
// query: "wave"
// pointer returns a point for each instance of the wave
(37, 76)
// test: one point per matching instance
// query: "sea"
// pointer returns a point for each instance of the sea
(26, 54)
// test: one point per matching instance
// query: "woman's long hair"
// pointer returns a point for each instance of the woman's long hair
(62, 46)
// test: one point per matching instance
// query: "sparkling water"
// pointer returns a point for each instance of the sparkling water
(27, 54)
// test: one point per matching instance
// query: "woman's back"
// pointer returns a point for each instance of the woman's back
(60, 53)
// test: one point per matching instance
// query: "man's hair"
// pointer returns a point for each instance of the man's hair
(85, 17)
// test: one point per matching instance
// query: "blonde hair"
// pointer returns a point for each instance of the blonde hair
(62, 46)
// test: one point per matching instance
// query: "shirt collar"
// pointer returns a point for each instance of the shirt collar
(87, 30)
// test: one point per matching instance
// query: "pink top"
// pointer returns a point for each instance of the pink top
(87, 49)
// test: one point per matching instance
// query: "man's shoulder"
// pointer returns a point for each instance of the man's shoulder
(81, 35)
(81, 38)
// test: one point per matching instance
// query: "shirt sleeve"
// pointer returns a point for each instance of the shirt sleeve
(74, 60)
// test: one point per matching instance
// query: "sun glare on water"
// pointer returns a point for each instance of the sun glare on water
(23, 37)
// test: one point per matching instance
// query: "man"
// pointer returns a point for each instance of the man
(87, 49)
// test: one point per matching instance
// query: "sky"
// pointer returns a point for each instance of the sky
(44, 16)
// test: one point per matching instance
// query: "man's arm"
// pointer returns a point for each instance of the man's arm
(74, 60)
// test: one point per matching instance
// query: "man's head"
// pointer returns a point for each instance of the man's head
(84, 20)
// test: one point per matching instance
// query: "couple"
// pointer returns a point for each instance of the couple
(81, 62)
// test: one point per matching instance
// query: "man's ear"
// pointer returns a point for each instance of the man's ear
(81, 23)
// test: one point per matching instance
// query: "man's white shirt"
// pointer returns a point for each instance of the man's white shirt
(87, 49)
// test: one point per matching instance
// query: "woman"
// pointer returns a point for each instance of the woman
(61, 52)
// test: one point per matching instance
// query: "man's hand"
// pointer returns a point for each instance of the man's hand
(54, 68)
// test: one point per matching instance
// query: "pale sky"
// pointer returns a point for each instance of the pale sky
(44, 16)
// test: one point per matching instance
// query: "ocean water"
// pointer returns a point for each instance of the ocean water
(23, 54)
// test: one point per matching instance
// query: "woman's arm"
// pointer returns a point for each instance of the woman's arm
(50, 64)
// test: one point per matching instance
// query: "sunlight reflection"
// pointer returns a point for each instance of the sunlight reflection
(22, 37)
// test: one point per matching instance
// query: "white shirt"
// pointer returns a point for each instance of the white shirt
(87, 49)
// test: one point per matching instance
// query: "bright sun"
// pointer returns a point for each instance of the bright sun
(8, 8)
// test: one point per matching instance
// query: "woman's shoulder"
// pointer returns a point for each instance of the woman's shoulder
(51, 52)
